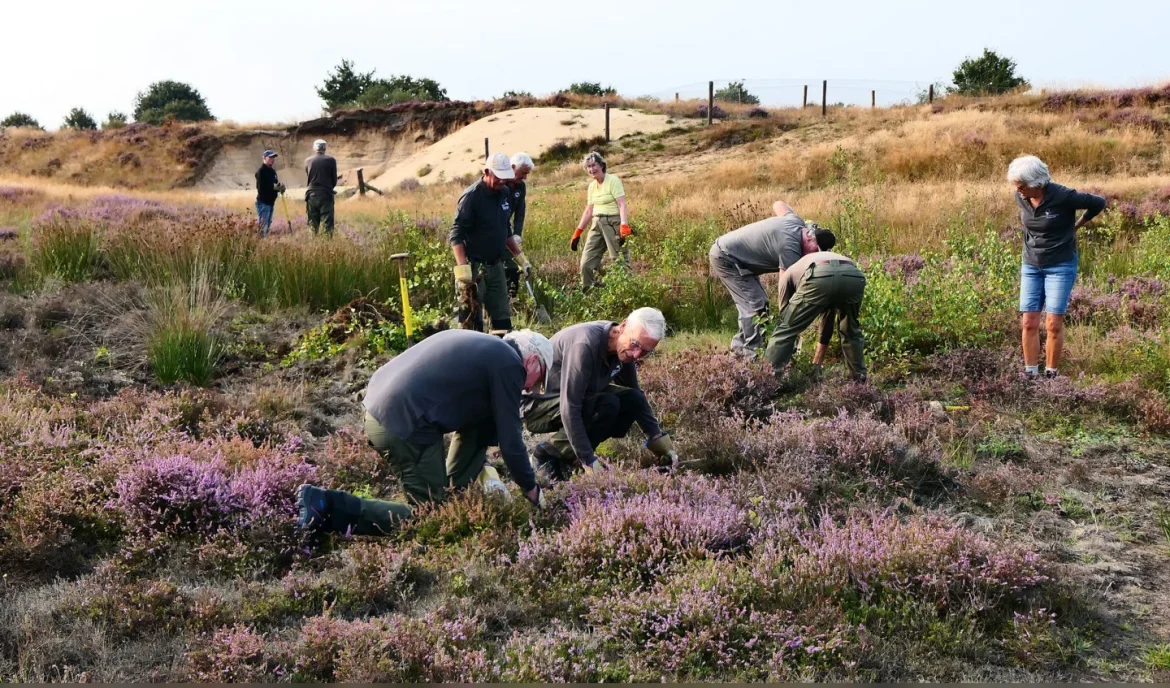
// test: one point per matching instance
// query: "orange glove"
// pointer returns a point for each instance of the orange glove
(576, 239)
(625, 232)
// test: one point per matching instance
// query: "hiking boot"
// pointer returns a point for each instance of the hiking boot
(546, 462)
(314, 506)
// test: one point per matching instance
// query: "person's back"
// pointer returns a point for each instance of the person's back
(321, 170)
(441, 384)
(770, 245)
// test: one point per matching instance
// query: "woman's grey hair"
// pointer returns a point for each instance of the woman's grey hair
(532, 343)
(594, 157)
(1029, 171)
(652, 321)
(522, 160)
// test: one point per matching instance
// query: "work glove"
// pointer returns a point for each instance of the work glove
(576, 239)
(517, 238)
(536, 497)
(594, 465)
(463, 274)
(525, 265)
(280, 188)
(624, 232)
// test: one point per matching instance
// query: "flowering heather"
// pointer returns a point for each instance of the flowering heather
(236, 654)
(558, 654)
(18, 194)
(1117, 98)
(8, 233)
(175, 495)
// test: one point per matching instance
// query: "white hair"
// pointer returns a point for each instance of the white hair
(522, 160)
(1029, 171)
(594, 157)
(319, 144)
(532, 343)
(652, 321)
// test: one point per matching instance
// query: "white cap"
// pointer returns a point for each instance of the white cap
(501, 166)
(319, 144)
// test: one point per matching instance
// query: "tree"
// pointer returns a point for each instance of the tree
(988, 74)
(115, 120)
(79, 119)
(165, 100)
(734, 92)
(591, 88)
(19, 119)
(343, 86)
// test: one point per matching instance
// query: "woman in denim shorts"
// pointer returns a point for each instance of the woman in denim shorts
(1048, 212)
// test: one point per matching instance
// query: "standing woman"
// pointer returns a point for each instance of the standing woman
(608, 219)
(1048, 212)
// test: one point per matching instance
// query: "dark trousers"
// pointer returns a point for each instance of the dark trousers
(831, 291)
(609, 414)
(319, 207)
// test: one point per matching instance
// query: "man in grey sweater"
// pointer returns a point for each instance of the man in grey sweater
(458, 381)
(321, 170)
(592, 393)
(772, 245)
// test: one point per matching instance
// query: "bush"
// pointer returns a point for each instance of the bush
(79, 119)
(175, 100)
(20, 119)
(590, 88)
(734, 92)
(988, 74)
(115, 120)
(182, 344)
(564, 151)
(424, 170)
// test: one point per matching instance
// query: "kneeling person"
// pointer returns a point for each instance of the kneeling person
(828, 285)
(458, 381)
(592, 393)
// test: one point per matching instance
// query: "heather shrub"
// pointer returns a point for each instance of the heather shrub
(234, 654)
(129, 608)
(174, 495)
(1003, 483)
(559, 654)
(470, 517)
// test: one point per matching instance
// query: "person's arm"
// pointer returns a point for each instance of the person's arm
(623, 210)
(576, 372)
(586, 218)
(507, 385)
(336, 177)
(1092, 204)
(781, 208)
(828, 323)
(460, 228)
(521, 209)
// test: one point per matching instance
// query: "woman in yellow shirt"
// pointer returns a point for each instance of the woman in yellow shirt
(608, 219)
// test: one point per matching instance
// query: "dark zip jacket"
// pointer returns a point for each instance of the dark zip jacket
(266, 182)
(481, 222)
(1049, 234)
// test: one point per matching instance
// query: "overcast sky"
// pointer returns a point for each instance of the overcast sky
(260, 61)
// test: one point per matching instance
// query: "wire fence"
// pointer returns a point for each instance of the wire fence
(794, 92)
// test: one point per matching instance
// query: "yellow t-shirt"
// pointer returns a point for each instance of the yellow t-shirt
(603, 197)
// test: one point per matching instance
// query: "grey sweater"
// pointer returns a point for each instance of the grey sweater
(321, 170)
(582, 368)
(481, 222)
(453, 380)
(1049, 234)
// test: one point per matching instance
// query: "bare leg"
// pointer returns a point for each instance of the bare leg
(1055, 327)
(1030, 323)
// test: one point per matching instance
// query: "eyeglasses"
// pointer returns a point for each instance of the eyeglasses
(636, 345)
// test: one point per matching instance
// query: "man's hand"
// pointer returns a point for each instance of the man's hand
(525, 264)
(463, 274)
(536, 496)
(594, 466)
(576, 238)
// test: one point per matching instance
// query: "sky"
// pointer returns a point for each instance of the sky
(259, 62)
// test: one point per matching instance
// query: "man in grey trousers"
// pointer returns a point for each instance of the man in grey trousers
(321, 170)
(739, 257)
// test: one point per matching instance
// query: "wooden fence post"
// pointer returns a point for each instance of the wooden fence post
(710, 100)
(361, 183)
(930, 94)
(804, 100)
(607, 122)
(487, 152)
(824, 97)
(873, 99)
(676, 96)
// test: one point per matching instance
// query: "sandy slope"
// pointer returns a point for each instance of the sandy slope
(531, 130)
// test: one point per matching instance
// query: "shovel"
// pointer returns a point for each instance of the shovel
(542, 316)
(287, 218)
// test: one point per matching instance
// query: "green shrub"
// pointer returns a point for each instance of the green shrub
(115, 120)
(20, 119)
(564, 151)
(165, 100)
(79, 119)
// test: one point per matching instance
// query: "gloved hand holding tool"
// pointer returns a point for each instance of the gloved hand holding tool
(524, 263)
(623, 233)
(576, 239)
(407, 314)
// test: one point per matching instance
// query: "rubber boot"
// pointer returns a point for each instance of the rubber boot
(547, 463)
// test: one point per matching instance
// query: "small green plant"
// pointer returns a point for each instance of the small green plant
(1163, 520)
(182, 344)
(424, 170)
(1157, 657)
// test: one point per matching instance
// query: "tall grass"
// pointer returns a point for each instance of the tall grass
(183, 344)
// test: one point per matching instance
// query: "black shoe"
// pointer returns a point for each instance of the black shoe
(547, 463)
(1050, 374)
(315, 507)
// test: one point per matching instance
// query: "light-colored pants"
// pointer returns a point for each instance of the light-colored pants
(748, 294)
(602, 239)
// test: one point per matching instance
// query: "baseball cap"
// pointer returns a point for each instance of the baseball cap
(501, 166)
(270, 154)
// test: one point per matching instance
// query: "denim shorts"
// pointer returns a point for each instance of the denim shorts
(1047, 288)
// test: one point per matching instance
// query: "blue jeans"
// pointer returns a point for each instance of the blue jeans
(265, 213)
(1047, 288)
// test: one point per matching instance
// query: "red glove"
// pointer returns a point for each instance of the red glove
(625, 232)
(576, 239)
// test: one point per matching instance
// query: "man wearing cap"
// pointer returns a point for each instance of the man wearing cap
(468, 383)
(521, 165)
(480, 241)
(739, 257)
(322, 173)
(267, 189)
(592, 394)
(827, 285)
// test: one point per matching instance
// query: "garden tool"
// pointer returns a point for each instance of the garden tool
(468, 309)
(542, 315)
(287, 217)
(407, 314)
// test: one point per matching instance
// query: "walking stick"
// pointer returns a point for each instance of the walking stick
(407, 315)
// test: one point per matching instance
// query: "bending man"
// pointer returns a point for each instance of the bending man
(458, 381)
(592, 393)
(739, 257)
